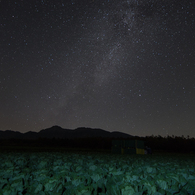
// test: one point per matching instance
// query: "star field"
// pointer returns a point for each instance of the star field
(124, 65)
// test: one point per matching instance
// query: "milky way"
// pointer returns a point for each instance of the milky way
(117, 65)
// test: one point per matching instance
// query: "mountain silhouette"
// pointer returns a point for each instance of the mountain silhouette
(58, 132)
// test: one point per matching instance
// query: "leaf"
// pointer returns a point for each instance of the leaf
(126, 189)
(76, 181)
(182, 180)
(60, 188)
(190, 187)
(112, 189)
(174, 182)
(163, 192)
(101, 184)
(49, 186)
(162, 184)
(117, 178)
(173, 189)
(151, 169)
(183, 192)
(84, 190)
(96, 177)
(3, 182)
(78, 168)
(93, 167)
(38, 188)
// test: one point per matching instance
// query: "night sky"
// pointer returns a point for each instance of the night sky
(118, 65)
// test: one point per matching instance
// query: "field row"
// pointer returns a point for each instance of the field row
(95, 173)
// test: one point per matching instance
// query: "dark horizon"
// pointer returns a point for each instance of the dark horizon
(112, 133)
(82, 139)
(59, 132)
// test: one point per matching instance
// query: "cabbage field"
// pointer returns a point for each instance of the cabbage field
(86, 173)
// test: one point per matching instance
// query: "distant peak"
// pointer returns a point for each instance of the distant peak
(56, 126)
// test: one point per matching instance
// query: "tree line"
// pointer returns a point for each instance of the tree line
(156, 143)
